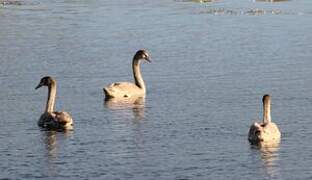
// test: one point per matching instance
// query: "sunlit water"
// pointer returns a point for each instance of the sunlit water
(212, 62)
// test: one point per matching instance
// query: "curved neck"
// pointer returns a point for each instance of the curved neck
(266, 112)
(51, 97)
(137, 73)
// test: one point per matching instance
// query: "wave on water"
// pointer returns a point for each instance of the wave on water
(251, 12)
(235, 11)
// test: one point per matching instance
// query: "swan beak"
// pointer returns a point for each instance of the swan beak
(148, 59)
(39, 85)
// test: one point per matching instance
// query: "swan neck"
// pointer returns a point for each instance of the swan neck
(266, 112)
(51, 97)
(137, 73)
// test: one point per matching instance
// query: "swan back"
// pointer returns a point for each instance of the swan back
(123, 90)
(266, 133)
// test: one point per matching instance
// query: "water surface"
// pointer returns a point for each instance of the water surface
(212, 62)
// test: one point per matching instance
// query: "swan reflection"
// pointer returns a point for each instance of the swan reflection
(51, 141)
(269, 154)
(125, 104)
(50, 144)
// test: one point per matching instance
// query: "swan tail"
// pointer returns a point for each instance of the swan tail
(108, 93)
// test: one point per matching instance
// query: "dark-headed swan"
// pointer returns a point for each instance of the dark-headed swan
(51, 119)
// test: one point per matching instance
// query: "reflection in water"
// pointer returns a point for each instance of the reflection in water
(133, 108)
(51, 146)
(136, 104)
(270, 157)
(50, 140)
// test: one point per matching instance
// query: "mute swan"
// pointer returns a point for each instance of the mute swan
(267, 131)
(128, 89)
(51, 119)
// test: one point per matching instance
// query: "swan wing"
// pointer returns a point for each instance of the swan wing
(63, 118)
(122, 89)
(45, 120)
(55, 120)
(273, 129)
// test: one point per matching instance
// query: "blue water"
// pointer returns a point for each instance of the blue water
(212, 63)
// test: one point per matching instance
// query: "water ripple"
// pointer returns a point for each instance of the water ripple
(250, 12)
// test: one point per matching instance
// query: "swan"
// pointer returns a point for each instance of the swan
(266, 132)
(128, 89)
(52, 119)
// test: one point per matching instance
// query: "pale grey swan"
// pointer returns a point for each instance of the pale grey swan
(266, 132)
(51, 119)
(128, 89)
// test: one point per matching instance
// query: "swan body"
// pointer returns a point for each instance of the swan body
(128, 89)
(55, 120)
(265, 132)
(123, 90)
(51, 119)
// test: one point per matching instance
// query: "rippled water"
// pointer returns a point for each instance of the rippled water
(212, 62)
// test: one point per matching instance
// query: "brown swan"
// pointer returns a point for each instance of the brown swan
(51, 119)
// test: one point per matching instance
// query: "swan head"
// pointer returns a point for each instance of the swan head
(45, 81)
(256, 133)
(266, 99)
(142, 54)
